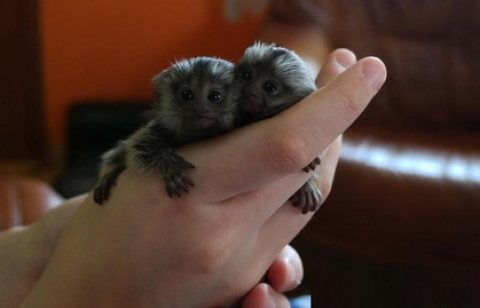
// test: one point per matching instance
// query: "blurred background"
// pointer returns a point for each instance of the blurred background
(401, 227)
(58, 54)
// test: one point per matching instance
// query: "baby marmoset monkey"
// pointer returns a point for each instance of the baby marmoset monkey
(192, 102)
(269, 79)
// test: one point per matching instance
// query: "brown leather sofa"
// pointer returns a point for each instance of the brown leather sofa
(401, 227)
(404, 197)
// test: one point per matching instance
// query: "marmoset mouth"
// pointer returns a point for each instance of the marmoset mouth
(253, 106)
(203, 121)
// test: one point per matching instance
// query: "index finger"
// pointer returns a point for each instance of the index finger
(265, 151)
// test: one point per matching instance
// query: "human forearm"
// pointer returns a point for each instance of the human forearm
(24, 253)
(26, 250)
(51, 225)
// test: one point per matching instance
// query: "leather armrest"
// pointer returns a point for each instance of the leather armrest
(23, 201)
(404, 196)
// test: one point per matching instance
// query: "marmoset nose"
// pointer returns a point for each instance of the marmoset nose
(203, 110)
(206, 110)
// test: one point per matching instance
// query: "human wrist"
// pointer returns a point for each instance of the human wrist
(49, 228)
(23, 258)
(101, 275)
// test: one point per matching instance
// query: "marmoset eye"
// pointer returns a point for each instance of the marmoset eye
(214, 96)
(186, 95)
(270, 87)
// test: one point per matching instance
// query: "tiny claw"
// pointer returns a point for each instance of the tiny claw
(177, 185)
(189, 165)
(188, 181)
(97, 195)
(182, 185)
(307, 198)
(294, 200)
(312, 165)
(302, 200)
(183, 188)
(169, 191)
(317, 203)
(103, 191)
(172, 189)
(306, 169)
(309, 201)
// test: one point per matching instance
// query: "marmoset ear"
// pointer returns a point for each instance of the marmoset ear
(158, 83)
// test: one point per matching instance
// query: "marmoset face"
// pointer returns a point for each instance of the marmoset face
(269, 79)
(195, 95)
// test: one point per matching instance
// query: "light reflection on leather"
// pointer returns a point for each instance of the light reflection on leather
(413, 162)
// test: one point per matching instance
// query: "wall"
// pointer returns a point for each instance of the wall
(108, 49)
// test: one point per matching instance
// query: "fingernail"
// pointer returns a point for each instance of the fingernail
(344, 59)
(293, 273)
(374, 73)
(270, 303)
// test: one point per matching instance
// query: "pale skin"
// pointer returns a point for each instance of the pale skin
(35, 244)
(26, 251)
(143, 249)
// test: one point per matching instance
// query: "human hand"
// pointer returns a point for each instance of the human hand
(40, 239)
(282, 275)
(211, 246)
(25, 251)
(285, 274)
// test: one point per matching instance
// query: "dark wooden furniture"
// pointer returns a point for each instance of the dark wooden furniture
(21, 113)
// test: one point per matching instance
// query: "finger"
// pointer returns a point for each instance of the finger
(337, 62)
(286, 272)
(334, 65)
(286, 222)
(263, 152)
(254, 208)
(326, 170)
(263, 296)
(279, 192)
(310, 126)
(242, 208)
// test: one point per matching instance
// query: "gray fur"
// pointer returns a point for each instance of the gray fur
(278, 64)
(196, 73)
(175, 121)
(292, 81)
(283, 64)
